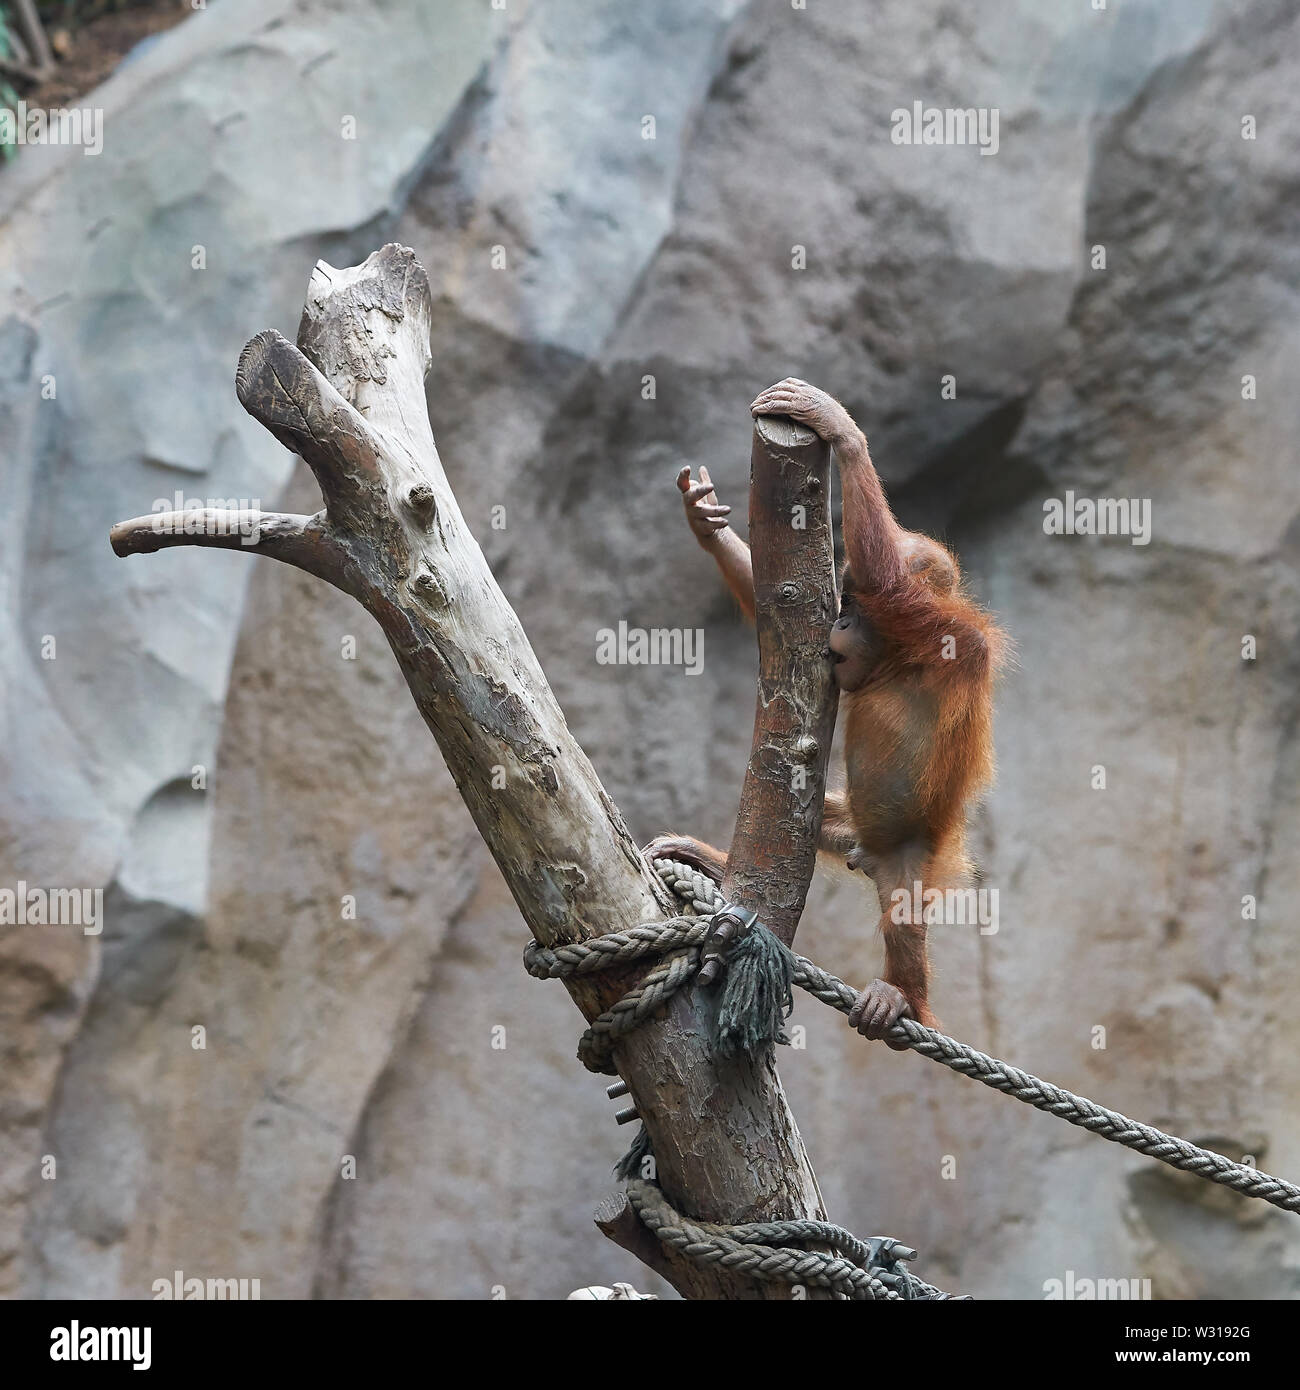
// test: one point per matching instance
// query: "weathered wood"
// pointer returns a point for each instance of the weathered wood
(350, 399)
(774, 848)
(615, 1219)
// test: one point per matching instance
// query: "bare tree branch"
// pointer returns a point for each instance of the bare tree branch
(350, 398)
(774, 848)
(279, 387)
(304, 541)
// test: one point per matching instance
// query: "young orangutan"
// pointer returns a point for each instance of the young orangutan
(915, 659)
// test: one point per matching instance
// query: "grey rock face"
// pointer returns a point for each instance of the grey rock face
(384, 1105)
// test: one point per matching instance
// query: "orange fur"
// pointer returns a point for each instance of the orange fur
(917, 659)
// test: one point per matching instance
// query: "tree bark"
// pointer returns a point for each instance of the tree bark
(774, 848)
(350, 400)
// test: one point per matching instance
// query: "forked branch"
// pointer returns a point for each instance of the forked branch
(350, 399)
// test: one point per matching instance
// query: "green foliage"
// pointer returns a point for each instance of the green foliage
(8, 97)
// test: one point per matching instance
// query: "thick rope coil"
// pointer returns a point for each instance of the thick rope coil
(677, 940)
(682, 938)
(745, 1249)
(753, 1249)
(772, 1250)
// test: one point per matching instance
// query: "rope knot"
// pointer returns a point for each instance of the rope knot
(756, 995)
(756, 999)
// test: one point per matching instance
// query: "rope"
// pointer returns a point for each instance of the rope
(682, 937)
(773, 1250)
(760, 1250)
(747, 1249)
(1042, 1095)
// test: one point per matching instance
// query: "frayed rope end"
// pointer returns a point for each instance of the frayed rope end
(630, 1165)
(756, 994)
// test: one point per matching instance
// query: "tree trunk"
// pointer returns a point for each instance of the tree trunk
(350, 399)
(774, 849)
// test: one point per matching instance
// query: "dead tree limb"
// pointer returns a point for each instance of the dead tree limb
(350, 400)
(616, 1219)
(28, 23)
(774, 847)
